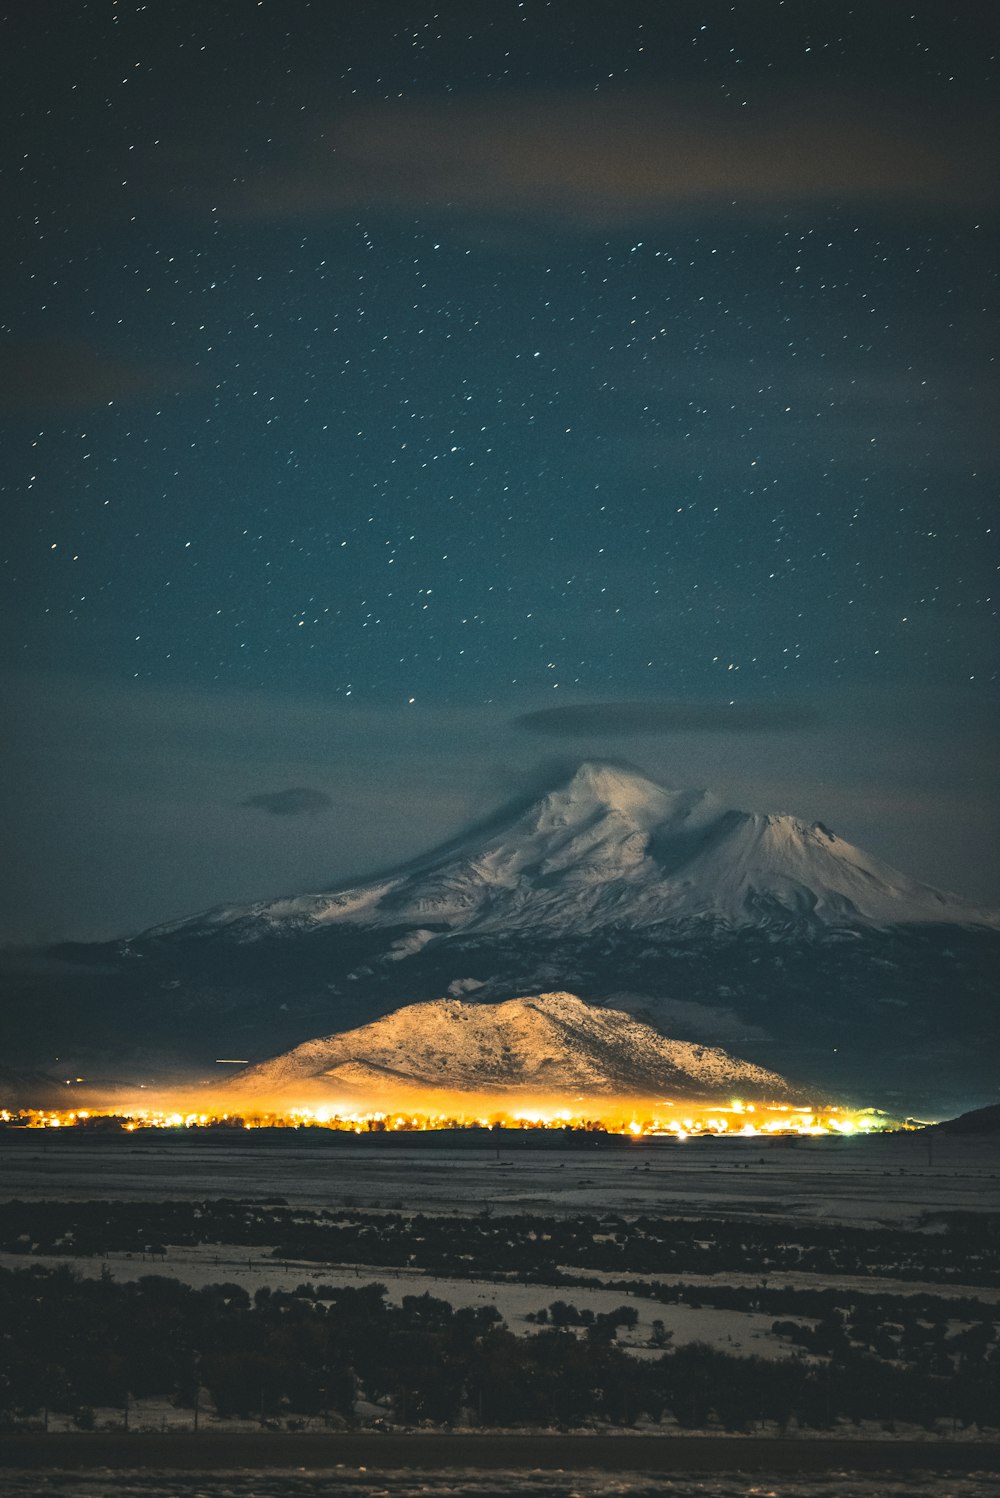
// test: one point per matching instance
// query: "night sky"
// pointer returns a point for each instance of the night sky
(376, 375)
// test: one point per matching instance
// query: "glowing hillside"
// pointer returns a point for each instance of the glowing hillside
(536, 1054)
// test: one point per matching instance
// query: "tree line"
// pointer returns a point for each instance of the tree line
(72, 1345)
(964, 1248)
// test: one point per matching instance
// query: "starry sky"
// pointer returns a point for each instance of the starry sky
(383, 384)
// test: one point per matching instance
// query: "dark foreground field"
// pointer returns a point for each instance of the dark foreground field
(632, 1453)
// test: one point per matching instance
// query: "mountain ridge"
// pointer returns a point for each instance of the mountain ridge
(540, 1046)
(610, 847)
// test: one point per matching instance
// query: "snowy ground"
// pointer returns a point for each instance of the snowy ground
(888, 1179)
(896, 1181)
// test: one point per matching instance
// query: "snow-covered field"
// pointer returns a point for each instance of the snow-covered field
(881, 1179)
(891, 1180)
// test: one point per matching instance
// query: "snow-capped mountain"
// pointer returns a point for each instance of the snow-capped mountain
(610, 848)
(552, 1045)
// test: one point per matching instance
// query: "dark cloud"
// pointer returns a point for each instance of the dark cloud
(621, 719)
(70, 374)
(588, 160)
(297, 801)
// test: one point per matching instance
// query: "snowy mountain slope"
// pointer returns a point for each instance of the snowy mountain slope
(610, 848)
(544, 1046)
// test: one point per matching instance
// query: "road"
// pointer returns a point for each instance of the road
(437, 1451)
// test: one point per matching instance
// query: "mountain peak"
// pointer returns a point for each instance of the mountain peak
(621, 789)
(609, 848)
(612, 781)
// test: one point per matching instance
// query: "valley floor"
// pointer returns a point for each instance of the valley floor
(822, 1192)
(889, 1179)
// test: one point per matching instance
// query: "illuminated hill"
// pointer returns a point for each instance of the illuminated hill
(552, 1048)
